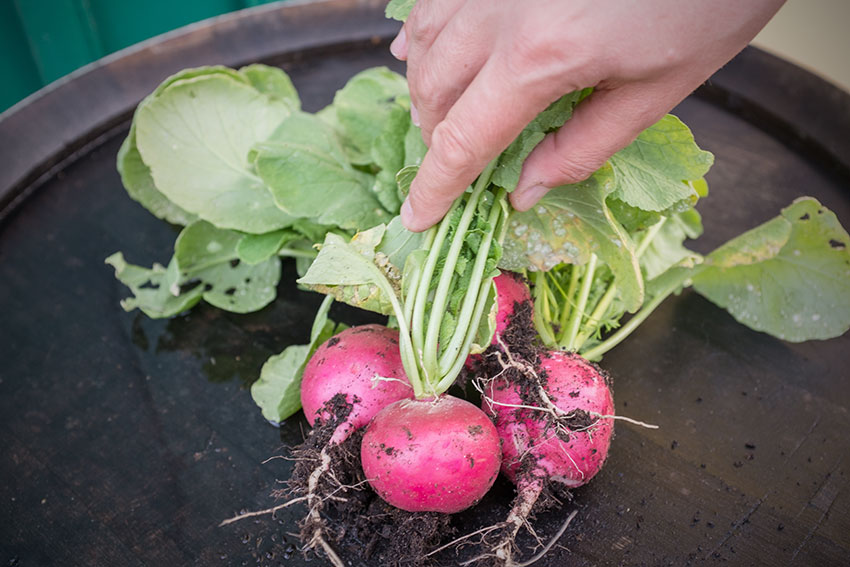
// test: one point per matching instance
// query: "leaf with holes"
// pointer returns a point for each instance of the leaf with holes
(789, 277)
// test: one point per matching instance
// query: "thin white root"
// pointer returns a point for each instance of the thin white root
(482, 532)
(273, 457)
(624, 418)
(549, 545)
(262, 512)
(529, 370)
(377, 379)
(548, 406)
(329, 551)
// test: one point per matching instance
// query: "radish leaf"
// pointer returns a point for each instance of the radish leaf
(254, 248)
(510, 161)
(152, 288)
(789, 277)
(309, 176)
(195, 136)
(137, 179)
(568, 225)
(399, 9)
(651, 171)
(354, 273)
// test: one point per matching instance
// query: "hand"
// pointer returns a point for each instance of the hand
(480, 70)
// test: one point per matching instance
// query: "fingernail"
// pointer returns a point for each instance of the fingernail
(522, 201)
(399, 46)
(407, 215)
(414, 115)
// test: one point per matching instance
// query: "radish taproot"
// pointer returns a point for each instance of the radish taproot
(439, 455)
(561, 419)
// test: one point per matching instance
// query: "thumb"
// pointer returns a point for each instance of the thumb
(602, 124)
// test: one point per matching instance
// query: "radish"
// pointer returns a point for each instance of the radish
(511, 292)
(349, 378)
(555, 419)
(438, 455)
(512, 298)
(362, 364)
(568, 432)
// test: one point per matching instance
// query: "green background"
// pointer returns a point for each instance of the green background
(42, 40)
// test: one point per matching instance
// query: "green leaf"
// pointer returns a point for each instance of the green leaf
(414, 146)
(510, 161)
(312, 231)
(789, 277)
(388, 153)
(255, 248)
(241, 287)
(208, 255)
(273, 82)
(632, 218)
(568, 225)
(398, 243)
(310, 177)
(152, 288)
(137, 180)
(278, 390)
(399, 9)
(652, 172)
(136, 175)
(201, 245)
(487, 325)
(195, 135)
(354, 273)
(194, 72)
(388, 147)
(364, 105)
(405, 177)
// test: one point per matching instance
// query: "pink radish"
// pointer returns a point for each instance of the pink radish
(511, 294)
(363, 365)
(433, 455)
(580, 394)
(555, 426)
(511, 289)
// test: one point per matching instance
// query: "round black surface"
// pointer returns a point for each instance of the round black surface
(126, 441)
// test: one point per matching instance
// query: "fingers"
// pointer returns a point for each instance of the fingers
(398, 47)
(426, 20)
(440, 74)
(444, 44)
(476, 129)
(601, 125)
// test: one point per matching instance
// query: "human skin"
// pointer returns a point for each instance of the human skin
(480, 70)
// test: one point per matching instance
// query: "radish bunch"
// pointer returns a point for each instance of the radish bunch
(546, 417)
